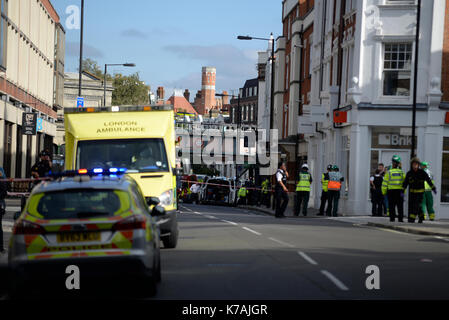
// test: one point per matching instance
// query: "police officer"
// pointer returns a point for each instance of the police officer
(281, 191)
(41, 168)
(265, 194)
(415, 178)
(324, 193)
(333, 189)
(392, 188)
(303, 190)
(242, 195)
(427, 204)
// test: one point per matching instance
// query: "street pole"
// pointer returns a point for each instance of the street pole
(104, 80)
(272, 85)
(81, 48)
(415, 81)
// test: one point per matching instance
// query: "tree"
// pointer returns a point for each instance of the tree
(129, 90)
(92, 66)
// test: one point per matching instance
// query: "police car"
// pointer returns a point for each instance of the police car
(95, 220)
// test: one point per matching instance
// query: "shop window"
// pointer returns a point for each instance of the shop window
(445, 171)
(397, 69)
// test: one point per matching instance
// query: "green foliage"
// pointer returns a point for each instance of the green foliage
(129, 90)
(92, 66)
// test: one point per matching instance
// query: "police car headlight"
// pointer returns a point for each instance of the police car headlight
(166, 198)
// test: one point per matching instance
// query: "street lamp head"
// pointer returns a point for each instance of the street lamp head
(129, 64)
(244, 38)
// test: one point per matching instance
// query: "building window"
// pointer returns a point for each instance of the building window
(397, 69)
(445, 171)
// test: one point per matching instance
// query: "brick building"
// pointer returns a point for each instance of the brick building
(358, 110)
(205, 99)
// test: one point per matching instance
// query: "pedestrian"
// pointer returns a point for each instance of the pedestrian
(392, 188)
(265, 193)
(3, 194)
(384, 171)
(195, 189)
(415, 179)
(324, 193)
(41, 168)
(427, 204)
(303, 190)
(281, 191)
(377, 197)
(334, 187)
(242, 194)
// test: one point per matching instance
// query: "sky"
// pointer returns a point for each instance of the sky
(171, 40)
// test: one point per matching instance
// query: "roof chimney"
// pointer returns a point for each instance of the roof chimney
(160, 93)
(187, 94)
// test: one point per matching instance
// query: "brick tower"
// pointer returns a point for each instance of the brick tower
(207, 89)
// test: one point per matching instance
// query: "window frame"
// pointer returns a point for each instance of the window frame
(384, 70)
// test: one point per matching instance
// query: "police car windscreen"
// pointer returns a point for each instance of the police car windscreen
(81, 204)
(139, 155)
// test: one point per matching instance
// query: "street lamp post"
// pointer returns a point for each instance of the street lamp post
(415, 84)
(106, 72)
(272, 71)
(81, 48)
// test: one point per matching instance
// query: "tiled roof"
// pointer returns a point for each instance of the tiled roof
(180, 104)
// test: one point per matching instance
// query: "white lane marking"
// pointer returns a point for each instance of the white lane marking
(307, 258)
(13, 208)
(208, 216)
(426, 260)
(230, 222)
(196, 212)
(282, 242)
(251, 230)
(337, 282)
(441, 238)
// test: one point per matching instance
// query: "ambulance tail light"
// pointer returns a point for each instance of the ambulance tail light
(131, 223)
(26, 227)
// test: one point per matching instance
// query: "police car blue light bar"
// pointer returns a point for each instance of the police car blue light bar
(112, 172)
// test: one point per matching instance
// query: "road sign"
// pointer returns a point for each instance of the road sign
(80, 102)
(39, 124)
(29, 123)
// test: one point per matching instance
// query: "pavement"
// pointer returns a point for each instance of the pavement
(434, 228)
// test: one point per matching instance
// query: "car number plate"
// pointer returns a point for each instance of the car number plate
(78, 237)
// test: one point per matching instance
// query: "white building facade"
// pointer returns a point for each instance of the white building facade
(363, 67)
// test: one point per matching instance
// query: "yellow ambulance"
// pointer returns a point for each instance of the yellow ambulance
(139, 140)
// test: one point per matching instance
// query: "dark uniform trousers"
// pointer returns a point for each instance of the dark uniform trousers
(415, 206)
(395, 200)
(324, 198)
(281, 201)
(333, 197)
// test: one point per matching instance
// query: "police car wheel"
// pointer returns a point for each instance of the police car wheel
(170, 241)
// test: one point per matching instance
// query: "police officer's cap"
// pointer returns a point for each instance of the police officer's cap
(329, 167)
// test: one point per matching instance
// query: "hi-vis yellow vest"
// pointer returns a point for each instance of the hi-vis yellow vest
(393, 180)
(304, 182)
(324, 181)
